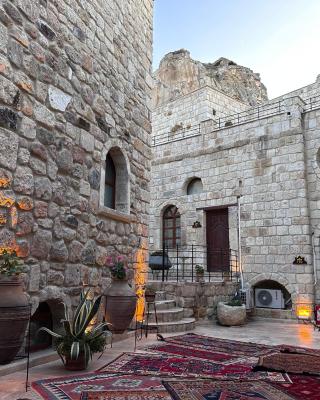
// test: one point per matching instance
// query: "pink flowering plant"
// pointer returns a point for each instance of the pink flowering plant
(118, 267)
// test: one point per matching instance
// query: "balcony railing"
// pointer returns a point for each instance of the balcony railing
(180, 264)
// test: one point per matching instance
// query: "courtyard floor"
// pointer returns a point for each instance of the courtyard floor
(259, 331)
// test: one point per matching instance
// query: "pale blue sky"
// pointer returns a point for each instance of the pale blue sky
(280, 39)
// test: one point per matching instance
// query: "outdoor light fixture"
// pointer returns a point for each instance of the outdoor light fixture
(196, 224)
(303, 311)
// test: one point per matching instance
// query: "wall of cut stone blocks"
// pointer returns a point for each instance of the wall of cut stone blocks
(74, 76)
(191, 109)
(264, 161)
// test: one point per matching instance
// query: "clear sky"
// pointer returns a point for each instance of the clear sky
(280, 39)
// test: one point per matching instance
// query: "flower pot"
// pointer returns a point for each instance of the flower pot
(199, 277)
(14, 317)
(76, 365)
(120, 307)
(231, 315)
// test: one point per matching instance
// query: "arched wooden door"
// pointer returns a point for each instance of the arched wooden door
(218, 253)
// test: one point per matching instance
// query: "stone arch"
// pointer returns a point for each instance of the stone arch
(276, 277)
(160, 209)
(115, 149)
(193, 185)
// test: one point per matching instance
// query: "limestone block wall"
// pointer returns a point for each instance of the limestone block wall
(74, 82)
(312, 149)
(193, 108)
(264, 162)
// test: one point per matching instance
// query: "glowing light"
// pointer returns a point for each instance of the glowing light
(140, 281)
(304, 311)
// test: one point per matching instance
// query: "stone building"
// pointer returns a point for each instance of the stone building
(219, 146)
(75, 89)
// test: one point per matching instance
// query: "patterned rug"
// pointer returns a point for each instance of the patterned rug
(167, 365)
(290, 362)
(71, 387)
(224, 390)
(302, 387)
(153, 394)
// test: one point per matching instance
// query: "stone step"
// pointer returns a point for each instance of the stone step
(185, 324)
(170, 315)
(161, 295)
(165, 304)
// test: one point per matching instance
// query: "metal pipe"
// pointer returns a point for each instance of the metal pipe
(314, 259)
(239, 242)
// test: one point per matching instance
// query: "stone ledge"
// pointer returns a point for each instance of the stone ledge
(116, 215)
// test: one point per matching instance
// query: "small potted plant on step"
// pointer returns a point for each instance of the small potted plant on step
(199, 273)
(14, 308)
(80, 339)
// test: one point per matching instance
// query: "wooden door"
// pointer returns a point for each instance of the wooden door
(218, 253)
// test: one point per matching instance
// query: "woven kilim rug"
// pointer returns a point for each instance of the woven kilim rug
(153, 394)
(215, 345)
(290, 362)
(71, 387)
(173, 366)
(302, 387)
(224, 390)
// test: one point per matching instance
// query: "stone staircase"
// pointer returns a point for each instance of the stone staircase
(171, 318)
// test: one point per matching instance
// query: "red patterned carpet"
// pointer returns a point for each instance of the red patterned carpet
(226, 366)
(224, 390)
(166, 365)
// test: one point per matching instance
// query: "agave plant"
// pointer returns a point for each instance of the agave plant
(78, 338)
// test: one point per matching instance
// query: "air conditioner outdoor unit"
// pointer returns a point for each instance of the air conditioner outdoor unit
(246, 296)
(269, 298)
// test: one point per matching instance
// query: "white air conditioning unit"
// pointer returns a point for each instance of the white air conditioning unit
(269, 298)
(246, 296)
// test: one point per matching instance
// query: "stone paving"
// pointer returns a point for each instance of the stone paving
(259, 331)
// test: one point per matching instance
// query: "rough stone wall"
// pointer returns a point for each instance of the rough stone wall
(74, 80)
(198, 300)
(264, 162)
(179, 74)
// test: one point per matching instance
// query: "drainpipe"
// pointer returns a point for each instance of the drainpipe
(314, 259)
(239, 242)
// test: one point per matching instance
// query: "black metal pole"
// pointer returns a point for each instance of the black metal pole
(177, 262)
(192, 263)
(163, 253)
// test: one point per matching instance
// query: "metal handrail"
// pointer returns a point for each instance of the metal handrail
(179, 263)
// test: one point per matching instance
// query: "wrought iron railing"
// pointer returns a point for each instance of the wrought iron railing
(183, 133)
(179, 264)
(250, 115)
(312, 103)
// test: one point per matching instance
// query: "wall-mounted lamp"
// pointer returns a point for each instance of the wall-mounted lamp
(196, 224)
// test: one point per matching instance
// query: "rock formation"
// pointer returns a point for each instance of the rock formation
(179, 74)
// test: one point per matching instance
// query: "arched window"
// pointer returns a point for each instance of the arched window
(171, 227)
(195, 186)
(115, 181)
(110, 183)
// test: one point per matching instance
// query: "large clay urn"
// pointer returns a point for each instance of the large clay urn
(121, 303)
(14, 317)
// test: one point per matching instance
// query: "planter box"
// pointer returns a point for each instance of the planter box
(231, 315)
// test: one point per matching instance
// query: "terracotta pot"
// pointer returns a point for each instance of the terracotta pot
(14, 317)
(76, 365)
(199, 277)
(121, 303)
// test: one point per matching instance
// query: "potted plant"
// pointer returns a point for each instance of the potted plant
(150, 295)
(231, 313)
(199, 273)
(80, 340)
(121, 298)
(14, 308)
